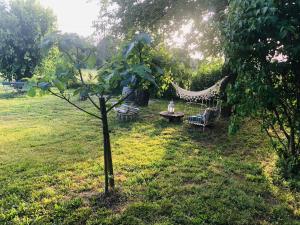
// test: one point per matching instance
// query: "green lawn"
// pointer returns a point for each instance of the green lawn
(51, 170)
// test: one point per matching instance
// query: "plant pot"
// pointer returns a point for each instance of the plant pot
(126, 91)
(142, 97)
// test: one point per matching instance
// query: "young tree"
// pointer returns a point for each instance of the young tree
(263, 47)
(122, 70)
(23, 24)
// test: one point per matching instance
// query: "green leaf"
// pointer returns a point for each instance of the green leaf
(264, 10)
(144, 72)
(77, 91)
(141, 70)
(129, 49)
(59, 85)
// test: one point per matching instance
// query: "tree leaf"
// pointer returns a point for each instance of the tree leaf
(129, 49)
(59, 85)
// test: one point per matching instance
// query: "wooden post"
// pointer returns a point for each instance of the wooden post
(108, 165)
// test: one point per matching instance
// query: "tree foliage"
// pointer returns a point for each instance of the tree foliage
(23, 24)
(207, 74)
(263, 47)
(105, 50)
(162, 18)
(141, 60)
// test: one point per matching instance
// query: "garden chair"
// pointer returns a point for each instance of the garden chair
(209, 116)
(127, 112)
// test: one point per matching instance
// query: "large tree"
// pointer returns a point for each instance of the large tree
(262, 42)
(164, 18)
(23, 24)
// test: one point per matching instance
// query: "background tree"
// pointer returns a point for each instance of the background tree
(163, 18)
(106, 48)
(263, 44)
(98, 90)
(23, 24)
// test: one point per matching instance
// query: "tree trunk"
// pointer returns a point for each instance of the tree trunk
(226, 108)
(108, 165)
(142, 97)
(292, 144)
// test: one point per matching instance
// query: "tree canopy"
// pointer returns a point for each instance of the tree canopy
(23, 24)
(163, 18)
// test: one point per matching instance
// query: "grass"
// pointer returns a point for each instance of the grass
(51, 170)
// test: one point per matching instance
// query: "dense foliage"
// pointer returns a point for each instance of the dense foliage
(105, 50)
(137, 61)
(263, 48)
(165, 67)
(23, 24)
(207, 74)
(55, 64)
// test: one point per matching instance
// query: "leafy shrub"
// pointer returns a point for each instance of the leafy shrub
(288, 166)
(179, 73)
(56, 64)
(206, 75)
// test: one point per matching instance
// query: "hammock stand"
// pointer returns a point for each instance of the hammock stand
(207, 100)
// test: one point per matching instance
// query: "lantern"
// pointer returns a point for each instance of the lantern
(171, 107)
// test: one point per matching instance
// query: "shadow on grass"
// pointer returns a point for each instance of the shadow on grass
(113, 201)
(209, 179)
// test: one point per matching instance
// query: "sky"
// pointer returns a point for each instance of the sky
(74, 16)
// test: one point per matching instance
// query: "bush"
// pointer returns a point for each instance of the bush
(206, 75)
(289, 166)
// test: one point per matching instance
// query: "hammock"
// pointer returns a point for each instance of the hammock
(211, 112)
(195, 96)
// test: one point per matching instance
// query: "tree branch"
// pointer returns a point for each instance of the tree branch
(120, 101)
(108, 98)
(278, 137)
(69, 56)
(274, 131)
(281, 124)
(73, 104)
(88, 95)
(89, 55)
